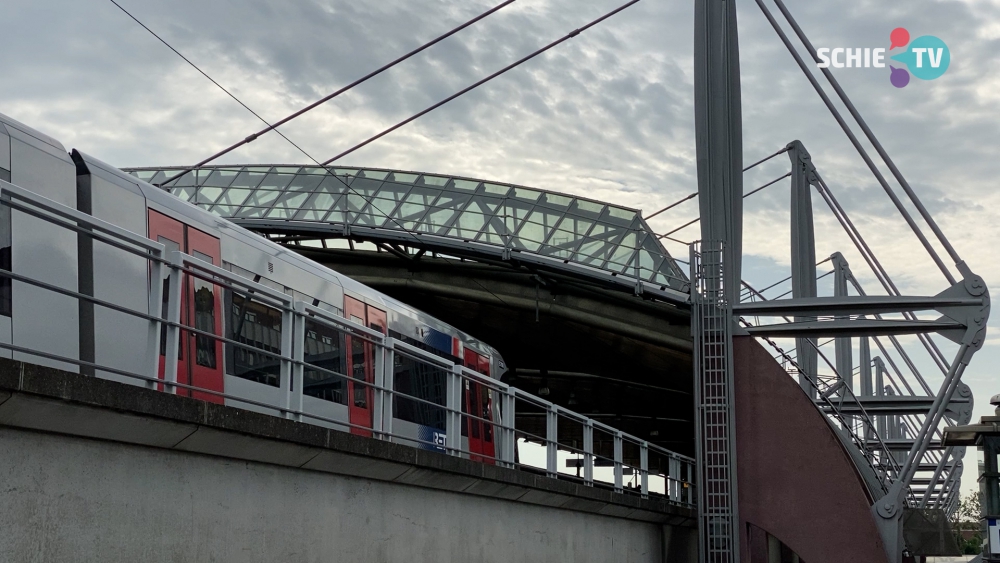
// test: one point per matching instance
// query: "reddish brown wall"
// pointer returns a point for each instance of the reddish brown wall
(795, 479)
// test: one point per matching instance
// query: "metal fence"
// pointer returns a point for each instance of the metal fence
(595, 454)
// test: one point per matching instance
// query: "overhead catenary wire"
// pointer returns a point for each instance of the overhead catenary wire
(252, 137)
(475, 85)
(695, 194)
(202, 72)
(696, 219)
(324, 165)
(307, 155)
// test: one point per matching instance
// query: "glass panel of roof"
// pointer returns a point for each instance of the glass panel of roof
(336, 216)
(183, 193)
(334, 184)
(496, 189)
(365, 186)
(321, 201)
(468, 225)
(287, 169)
(318, 171)
(261, 198)
(234, 197)
(192, 178)
(435, 180)
(526, 194)
(646, 260)
(593, 252)
(438, 218)
(274, 181)
(589, 206)
(291, 200)
(619, 213)
(144, 175)
(247, 179)
(224, 210)
(305, 183)
(279, 213)
(375, 174)
(208, 195)
(345, 171)
(356, 202)
(576, 226)
(264, 169)
(158, 177)
(403, 177)
(381, 207)
(466, 185)
(556, 199)
(221, 178)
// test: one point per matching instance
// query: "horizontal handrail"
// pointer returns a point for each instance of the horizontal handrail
(288, 363)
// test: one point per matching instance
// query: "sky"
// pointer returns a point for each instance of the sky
(608, 114)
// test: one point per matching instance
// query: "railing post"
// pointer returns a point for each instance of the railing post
(155, 306)
(674, 479)
(453, 423)
(285, 373)
(588, 453)
(619, 486)
(551, 440)
(383, 392)
(644, 469)
(510, 431)
(298, 355)
(173, 344)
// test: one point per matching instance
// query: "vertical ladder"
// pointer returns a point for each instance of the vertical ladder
(711, 326)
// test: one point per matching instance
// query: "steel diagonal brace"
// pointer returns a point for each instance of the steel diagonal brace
(888, 509)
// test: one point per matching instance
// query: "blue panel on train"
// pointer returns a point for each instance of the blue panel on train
(431, 438)
(435, 339)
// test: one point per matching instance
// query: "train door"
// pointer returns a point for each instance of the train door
(478, 401)
(361, 365)
(199, 357)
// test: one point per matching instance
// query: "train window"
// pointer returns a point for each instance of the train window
(425, 381)
(358, 371)
(6, 303)
(324, 349)
(204, 318)
(256, 325)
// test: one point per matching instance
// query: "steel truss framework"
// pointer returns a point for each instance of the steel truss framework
(557, 230)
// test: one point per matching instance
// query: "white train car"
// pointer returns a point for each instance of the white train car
(78, 336)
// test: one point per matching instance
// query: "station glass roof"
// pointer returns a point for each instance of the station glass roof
(545, 223)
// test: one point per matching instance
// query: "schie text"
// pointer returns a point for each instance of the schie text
(841, 57)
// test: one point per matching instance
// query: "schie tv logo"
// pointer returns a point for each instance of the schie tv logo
(926, 57)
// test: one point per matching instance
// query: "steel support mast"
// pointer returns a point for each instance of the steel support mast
(716, 272)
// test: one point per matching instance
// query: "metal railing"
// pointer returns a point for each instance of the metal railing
(654, 470)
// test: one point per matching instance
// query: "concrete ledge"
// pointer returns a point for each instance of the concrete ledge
(50, 400)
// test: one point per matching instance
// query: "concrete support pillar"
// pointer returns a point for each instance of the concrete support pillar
(803, 254)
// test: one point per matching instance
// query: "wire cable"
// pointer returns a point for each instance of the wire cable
(203, 73)
(562, 39)
(309, 156)
(321, 101)
(325, 164)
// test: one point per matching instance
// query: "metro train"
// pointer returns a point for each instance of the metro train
(34, 318)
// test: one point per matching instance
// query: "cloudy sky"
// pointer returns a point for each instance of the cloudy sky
(608, 114)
